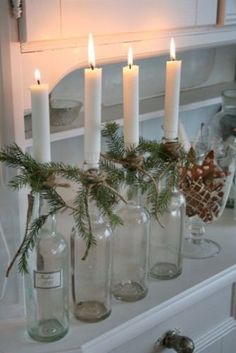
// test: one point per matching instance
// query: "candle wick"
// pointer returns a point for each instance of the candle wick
(91, 66)
(38, 82)
(130, 66)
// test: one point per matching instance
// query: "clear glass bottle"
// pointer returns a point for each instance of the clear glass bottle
(130, 252)
(46, 283)
(91, 277)
(167, 239)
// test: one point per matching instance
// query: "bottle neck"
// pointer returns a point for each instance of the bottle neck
(131, 194)
(41, 208)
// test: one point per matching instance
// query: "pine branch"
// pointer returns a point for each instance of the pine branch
(29, 215)
(29, 243)
(114, 141)
(140, 168)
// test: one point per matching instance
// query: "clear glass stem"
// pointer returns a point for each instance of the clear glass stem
(196, 246)
(197, 230)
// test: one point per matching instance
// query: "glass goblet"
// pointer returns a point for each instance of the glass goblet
(206, 200)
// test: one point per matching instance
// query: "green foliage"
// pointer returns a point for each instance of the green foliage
(94, 187)
(141, 169)
(29, 242)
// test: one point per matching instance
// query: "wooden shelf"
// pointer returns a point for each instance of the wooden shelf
(150, 108)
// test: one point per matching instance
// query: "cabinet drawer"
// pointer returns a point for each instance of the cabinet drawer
(205, 322)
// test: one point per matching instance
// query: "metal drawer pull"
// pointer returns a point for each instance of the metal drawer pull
(172, 339)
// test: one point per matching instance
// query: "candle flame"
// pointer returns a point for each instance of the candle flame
(130, 57)
(91, 52)
(37, 76)
(172, 49)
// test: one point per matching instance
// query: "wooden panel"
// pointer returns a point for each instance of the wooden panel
(40, 21)
(79, 17)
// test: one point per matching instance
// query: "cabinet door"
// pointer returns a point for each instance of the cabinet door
(112, 16)
(57, 19)
(40, 20)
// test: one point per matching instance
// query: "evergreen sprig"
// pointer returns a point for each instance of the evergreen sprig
(142, 168)
(93, 187)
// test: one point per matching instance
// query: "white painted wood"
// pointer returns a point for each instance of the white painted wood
(215, 336)
(80, 17)
(206, 15)
(40, 20)
(150, 108)
(226, 12)
(229, 342)
(204, 287)
(213, 348)
(46, 20)
(11, 124)
(230, 12)
(110, 49)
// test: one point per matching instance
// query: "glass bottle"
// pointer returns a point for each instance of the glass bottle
(130, 251)
(91, 277)
(46, 283)
(167, 239)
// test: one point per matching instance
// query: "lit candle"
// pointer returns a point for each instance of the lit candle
(173, 73)
(131, 102)
(40, 120)
(92, 108)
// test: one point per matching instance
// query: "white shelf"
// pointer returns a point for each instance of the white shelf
(150, 108)
(128, 320)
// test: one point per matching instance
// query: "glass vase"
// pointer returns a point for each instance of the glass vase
(46, 283)
(167, 239)
(130, 252)
(91, 277)
(206, 202)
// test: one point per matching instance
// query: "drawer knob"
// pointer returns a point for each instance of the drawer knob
(181, 344)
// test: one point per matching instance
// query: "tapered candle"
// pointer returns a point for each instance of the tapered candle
(92, 108)
(172, 92)
(40, 120)
(131, 102)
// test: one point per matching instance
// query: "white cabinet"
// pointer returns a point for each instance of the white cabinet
(59, 19)
(41, 20)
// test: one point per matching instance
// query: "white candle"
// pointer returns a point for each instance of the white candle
(92, 108)
(40, 120)
(131, 102)
(172, 91)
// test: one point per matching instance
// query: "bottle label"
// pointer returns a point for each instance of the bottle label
(46, 280)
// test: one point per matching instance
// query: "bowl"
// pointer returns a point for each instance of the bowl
(64, 112)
